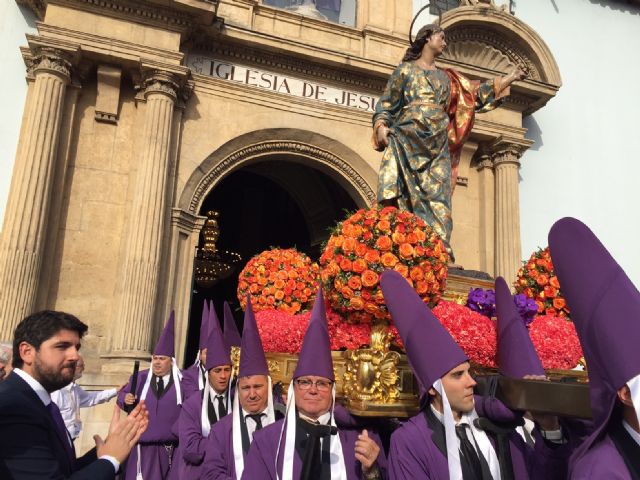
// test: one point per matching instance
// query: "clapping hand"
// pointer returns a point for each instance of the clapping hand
(123, 433)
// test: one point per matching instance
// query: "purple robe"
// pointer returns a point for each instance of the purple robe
(219, 463)
(193, 447)
(163, 413)
(260, 461)
(601, 461)
(189, 382)
(419, 452)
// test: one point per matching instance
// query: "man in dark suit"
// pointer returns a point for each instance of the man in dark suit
(34, 443)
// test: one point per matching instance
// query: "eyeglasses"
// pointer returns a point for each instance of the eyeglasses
(321, 385)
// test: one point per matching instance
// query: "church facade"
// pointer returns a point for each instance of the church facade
(142, 116)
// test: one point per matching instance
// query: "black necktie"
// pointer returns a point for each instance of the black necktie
(314, 453)
(63, 433)
(160, 386)
(469, 456)
(256, 417)
(222, 410)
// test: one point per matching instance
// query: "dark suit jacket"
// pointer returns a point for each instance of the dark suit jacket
(30, 447)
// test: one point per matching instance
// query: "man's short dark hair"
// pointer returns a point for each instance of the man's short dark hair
(40, 327)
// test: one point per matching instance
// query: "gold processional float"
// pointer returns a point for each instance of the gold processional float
(377, 381)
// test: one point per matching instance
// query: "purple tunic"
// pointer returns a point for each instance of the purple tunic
(219, 463)
(163, 413)
(601, 461)
(414, 454)
(189, 382)
(260, 461)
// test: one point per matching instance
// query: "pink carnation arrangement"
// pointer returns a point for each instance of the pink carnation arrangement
(556, 341)
(282, 332)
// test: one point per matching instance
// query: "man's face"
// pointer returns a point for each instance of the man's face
(313, 395)
(203, 356)
(458, 384)
(54, 363)
(253, 393)
(219, 378)
(160, 365)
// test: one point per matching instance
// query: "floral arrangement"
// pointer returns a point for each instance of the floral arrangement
(537, 280)
(484, 302)
(371, 241)
(556, 341)
(277, 279)
(475, 333)
(283, 333)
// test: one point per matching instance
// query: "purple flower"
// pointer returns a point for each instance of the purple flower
(482, 301)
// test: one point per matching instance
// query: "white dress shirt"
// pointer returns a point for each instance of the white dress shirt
(635, 435)
(72, 398)
(46, 399)
(251, 423)
(213, 398)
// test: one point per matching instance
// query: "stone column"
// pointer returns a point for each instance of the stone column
(23, 233)
(134, 324)
(486, 197)
(508, 251)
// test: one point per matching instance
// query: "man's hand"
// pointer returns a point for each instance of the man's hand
(367, 451)
(129, 399)
(123, 434)
(382, 136)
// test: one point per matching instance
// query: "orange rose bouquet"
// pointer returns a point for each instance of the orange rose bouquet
(371, 241)
(537, 280)
(277, 279)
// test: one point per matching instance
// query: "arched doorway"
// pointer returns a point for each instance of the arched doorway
(277, 201)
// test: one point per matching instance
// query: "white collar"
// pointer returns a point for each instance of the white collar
(464, 418)
(263, 412)
(35, 386)
(322, 419)
(635, 435)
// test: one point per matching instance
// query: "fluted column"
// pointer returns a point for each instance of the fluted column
(508, 251)
(486, 197)
(21, 246)
(148, 214)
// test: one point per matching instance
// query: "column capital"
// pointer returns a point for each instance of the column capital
(503, 151)
(187, 222)
(50, 55)
(49, 60)
(484, 161)
(173, 81)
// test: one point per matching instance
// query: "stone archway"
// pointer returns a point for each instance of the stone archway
(251, 152)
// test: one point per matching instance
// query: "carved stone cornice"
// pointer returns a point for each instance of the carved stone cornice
(489, 49)
(142, 11)
(273, 148)
(252, 56)
(46, 59)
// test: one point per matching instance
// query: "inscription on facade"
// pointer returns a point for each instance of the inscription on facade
(279, 83)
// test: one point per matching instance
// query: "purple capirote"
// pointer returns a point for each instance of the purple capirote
(252, 358)
(204, 326)
(431, 350)
(218, 352)
(231, 334)
(516, 355)
(166, 342)
(605, 306)
(315, 354)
